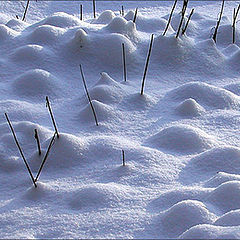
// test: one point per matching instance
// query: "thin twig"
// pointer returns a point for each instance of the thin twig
(235, 14)
(122, 11)
(20, 150)
(25, 12)
(88, 96)
(81, 12)
(124, 63)
(38, 142)
(123, 158)
(51, 114)
(94, 8)
(233, 26)
(147, 62)
(45, 157)
(218, 23)
(185, 27)
(135, 15)
(184, 8)
(170, 17)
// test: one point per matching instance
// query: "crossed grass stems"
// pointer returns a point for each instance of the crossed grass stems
(34, 180)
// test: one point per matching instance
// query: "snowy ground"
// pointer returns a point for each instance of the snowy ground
(181, 138)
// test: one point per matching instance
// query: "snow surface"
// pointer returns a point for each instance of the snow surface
(180, 138)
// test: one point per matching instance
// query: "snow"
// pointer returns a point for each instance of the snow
(231, 218)
(189, 213)
(180, 138)
(190, 108)
(37, 82)
(222, 199)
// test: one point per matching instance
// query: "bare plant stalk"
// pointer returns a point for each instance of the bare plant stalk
(81, 12)
(123, 158)
(185, 27)
(52, 117)
(25, 12)
(38, 142)
(235, 14)
(233, 26)
(124, 63)
(88, 96)
(20, 150)
(94, 8)
(147, 62)
(218, 23)
(45, 157)
(135, 15)
(170, 17)
(122, 11)
(184, 8)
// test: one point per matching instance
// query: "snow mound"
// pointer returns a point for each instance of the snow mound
(110, 51)
(234, 88)
(105, 17)
(170, 198)
(230, 50)
(21, 110)
(148, 24)
(224, 36)
(16, 24)
(221, 177)
(99, 195)
(25, 134)
(169, 50)
(190, 107)
(224, 159)
(207, 58)
(226, 196)
(80, 40)
(151, 25)
(206, 231)
(103, 112)
(184, 215)
(130, 15)
(231, 218)
(46, 34)
(62, 20)
(107, 147)
(35, 83)
(176, 17)
(40, 192)
(206, 94)
(6, 33)
(233, 61)
(28, 53)
(183, 139)
(109, 47)
(122, 26)
(107, 90)
(138, 102)
(66, 152)
(105, 79)
(106, 94)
